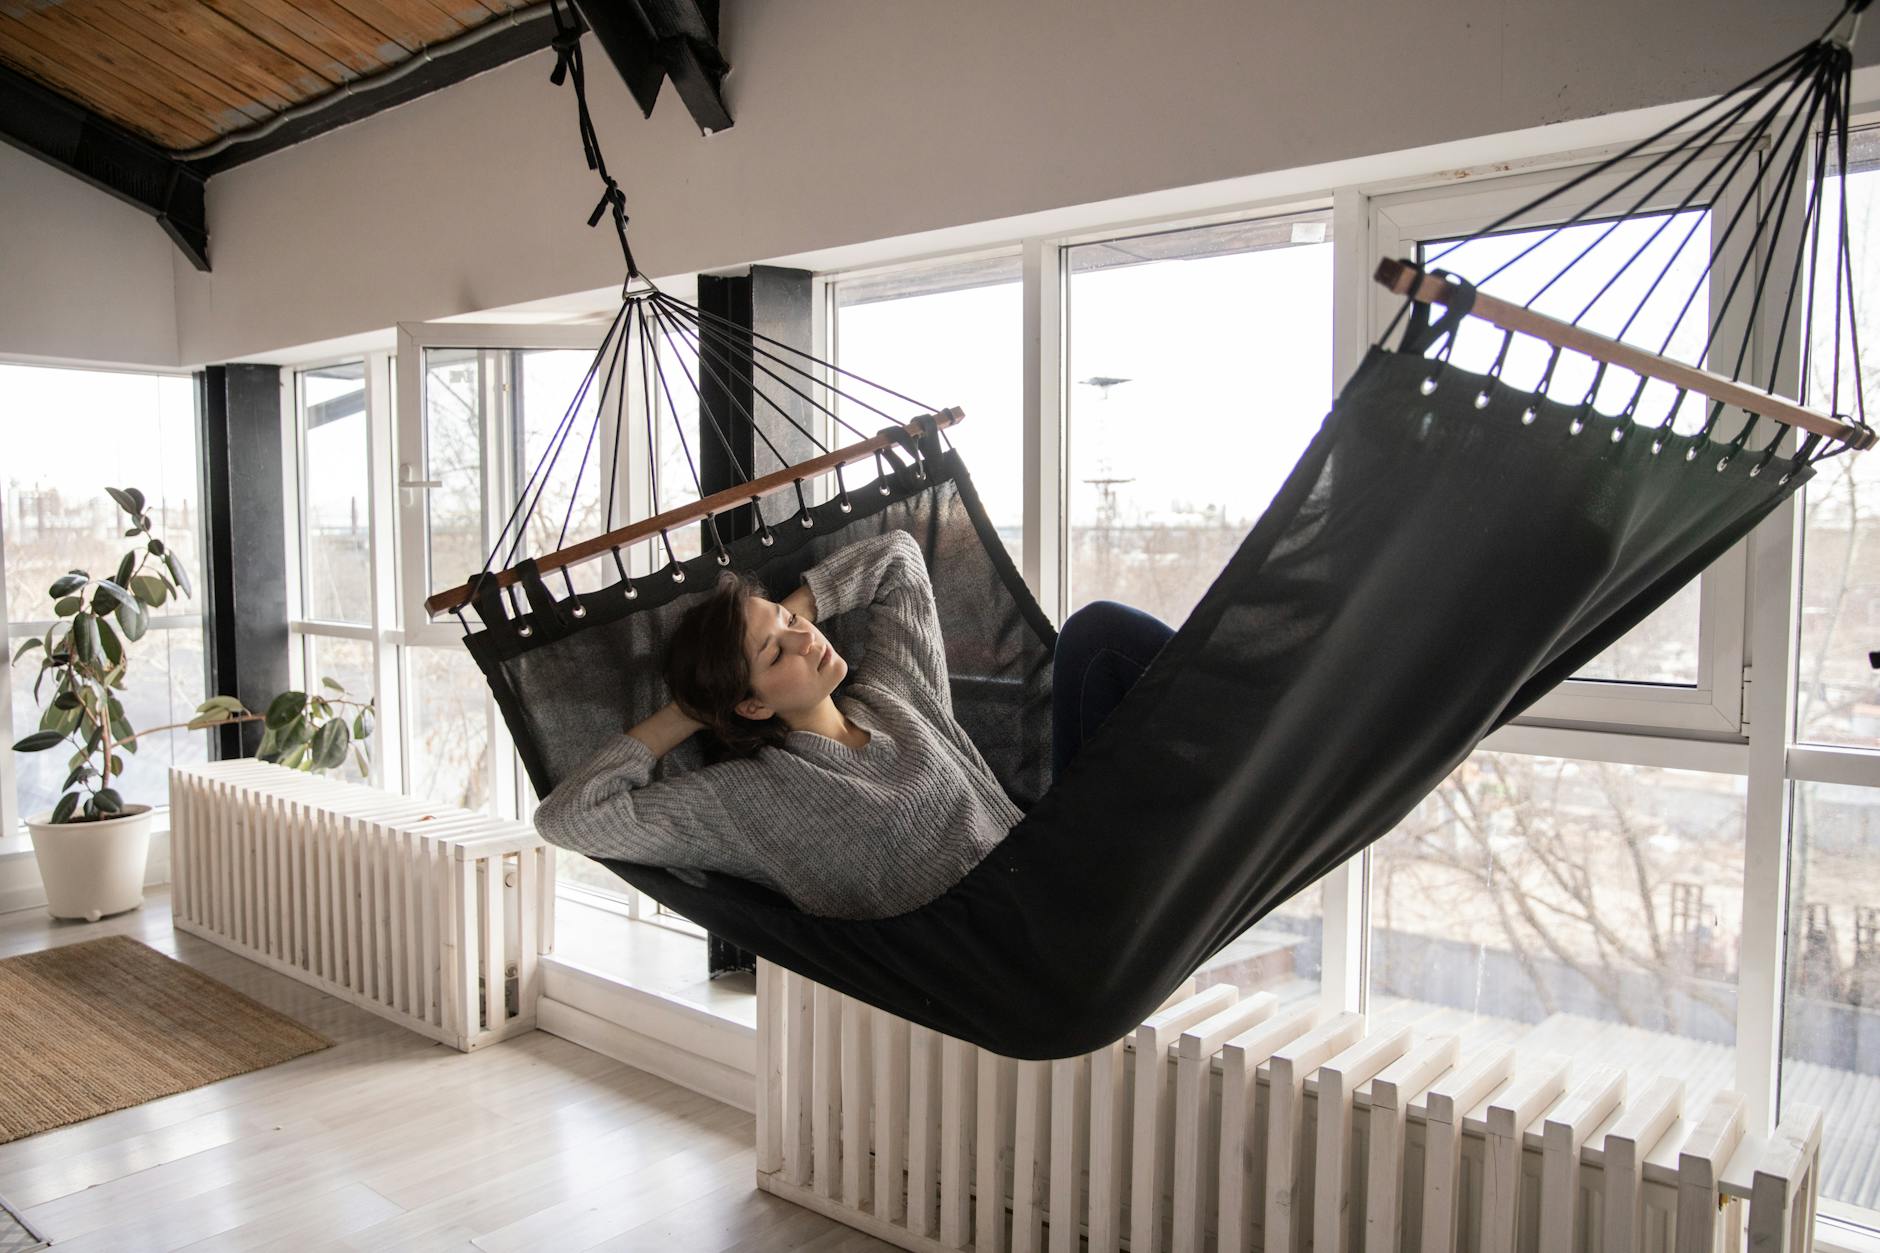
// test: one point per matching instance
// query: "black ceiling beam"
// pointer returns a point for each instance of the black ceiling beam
(650, 41)
(109, 157)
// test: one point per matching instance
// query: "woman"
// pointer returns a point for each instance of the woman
(862, 807)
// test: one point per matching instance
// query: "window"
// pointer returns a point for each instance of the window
(1592, 907)
(949, 335)
(1831, 1013)
(1190, 398)
(139, 431)
(1838, 692)
(1831, 1007)
(1682, 668)
(480, 405)
(335, 495)
(1664, 649)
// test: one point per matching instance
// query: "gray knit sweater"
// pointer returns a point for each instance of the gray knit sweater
(841, 832)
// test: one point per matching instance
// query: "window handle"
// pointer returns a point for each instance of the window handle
(406, 481)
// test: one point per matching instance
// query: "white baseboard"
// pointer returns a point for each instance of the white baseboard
(676, 1040)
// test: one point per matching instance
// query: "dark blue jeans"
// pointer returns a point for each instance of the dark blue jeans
(1102, 650)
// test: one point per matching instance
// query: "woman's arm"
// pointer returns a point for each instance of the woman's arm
(612, 807)
(665, 730)
(887, 573)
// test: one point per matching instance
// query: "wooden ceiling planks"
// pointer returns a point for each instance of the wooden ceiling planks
(183, 72)
(26, 49)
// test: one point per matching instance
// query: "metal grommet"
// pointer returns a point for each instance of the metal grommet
(1481, 399)
(1658, 446)
(845, 506)
(1577, 425)
(1428, 385)
(724, 558)
(1784, 480)
(678, 574)
(1690, 454)
(1527, 416)
(1618, 432)
(1755, 469)
(525, 631)
(579, 611)
(808, 522)
(884, 489)
(1723, 464)
(632, 592)
(767, 539)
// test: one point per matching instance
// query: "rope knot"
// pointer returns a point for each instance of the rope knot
(565, 44)
(611, 197)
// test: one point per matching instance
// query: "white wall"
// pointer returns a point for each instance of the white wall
(866, 119)
(82, 275)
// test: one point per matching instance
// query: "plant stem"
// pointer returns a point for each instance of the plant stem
(200, 726)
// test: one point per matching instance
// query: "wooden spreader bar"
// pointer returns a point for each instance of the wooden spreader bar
(1407, 280)
(698, 510)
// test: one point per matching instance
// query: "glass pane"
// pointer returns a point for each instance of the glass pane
(140, 432)
(1283, 954)
(336, 495)
(571, 497)
(165, 684)
(1178, 440)
(949, 334)
(573, 867)
(1590, 909)
(349, 663)
(1646, 304)
(1831, 1016)
(453, 458)
(447, 703)
(676, 435)
(1838, 698)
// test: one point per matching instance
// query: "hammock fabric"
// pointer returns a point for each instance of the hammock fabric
(1448, 549)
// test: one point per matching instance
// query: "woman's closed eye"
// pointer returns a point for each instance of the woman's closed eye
(778, 656)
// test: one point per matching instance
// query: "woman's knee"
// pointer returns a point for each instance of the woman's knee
(1101, 618)
(1113, 624)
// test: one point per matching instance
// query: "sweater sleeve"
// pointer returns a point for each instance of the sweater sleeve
(612, 807)
(887, 574)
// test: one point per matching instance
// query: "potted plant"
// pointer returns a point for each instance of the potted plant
(93, 846)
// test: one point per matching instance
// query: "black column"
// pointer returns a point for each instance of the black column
(775, 303)
(243, 585)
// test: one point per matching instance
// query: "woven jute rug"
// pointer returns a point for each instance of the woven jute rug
(105, 1024)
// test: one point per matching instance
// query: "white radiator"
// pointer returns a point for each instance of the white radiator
(425, 914)
(1225, 1123)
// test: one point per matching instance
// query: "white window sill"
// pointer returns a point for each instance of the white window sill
(649, 957)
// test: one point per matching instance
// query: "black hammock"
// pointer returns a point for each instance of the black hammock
(1449, 548)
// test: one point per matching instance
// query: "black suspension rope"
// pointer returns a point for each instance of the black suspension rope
(544, 465)
(690, 334)
(569, 68)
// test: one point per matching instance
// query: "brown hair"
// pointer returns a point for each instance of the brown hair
(709, 672)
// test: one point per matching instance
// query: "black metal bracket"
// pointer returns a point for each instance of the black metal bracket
(109, 157)
(649, 41)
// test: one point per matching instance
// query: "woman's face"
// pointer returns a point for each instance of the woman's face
(793, 668)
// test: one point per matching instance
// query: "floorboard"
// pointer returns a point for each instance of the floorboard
(388, 1141)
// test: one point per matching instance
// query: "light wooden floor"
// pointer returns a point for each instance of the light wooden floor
(387, 1141)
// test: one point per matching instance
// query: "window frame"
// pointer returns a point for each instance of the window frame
(14, 837)
(1714, 705)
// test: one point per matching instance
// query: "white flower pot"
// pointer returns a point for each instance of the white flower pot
(92, 869)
